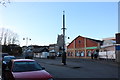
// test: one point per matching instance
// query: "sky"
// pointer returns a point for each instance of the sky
(42, 21)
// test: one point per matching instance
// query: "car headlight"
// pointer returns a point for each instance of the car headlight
(51, 79)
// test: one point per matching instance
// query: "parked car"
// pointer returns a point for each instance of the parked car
(6, 59)
(4, 54)
(27, 69)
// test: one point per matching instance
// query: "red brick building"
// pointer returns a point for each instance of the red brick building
(82, 47)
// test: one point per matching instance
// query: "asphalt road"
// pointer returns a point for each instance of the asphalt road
(80, 68)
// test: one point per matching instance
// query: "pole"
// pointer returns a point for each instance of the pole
(27, 41)
(64, 53)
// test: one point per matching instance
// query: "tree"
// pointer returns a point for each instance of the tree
(8, 37)
(14, 38)
(5, 37)
(1, 36)
(4, 2)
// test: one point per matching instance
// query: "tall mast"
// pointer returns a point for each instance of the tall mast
(64, 53)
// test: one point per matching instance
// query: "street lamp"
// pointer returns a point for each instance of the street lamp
(26, 40)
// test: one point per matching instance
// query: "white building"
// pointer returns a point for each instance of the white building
(107, 50)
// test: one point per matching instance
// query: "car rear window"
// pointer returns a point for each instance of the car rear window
(26, 66)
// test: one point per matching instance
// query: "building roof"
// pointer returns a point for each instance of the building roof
(99, 41)
(37, 46)
(105, 46)
(95, 40)
(38, 50)
(108, 43)
(109, 38)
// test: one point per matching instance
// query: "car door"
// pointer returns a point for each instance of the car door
(8, 72)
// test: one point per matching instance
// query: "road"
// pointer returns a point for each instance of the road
(80, 68)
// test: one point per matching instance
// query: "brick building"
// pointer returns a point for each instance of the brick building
(82, 47)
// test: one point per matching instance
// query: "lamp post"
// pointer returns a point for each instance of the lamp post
(26, 40)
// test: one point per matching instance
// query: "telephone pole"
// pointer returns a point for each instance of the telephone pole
(64, 53)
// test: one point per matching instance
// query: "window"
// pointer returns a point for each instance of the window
(26, 66)
(71, 54)
(77, 53)
(89, 53)
(82, 53)
(68, 53)
(79, 41)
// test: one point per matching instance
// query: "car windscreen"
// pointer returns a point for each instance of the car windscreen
(26, 66)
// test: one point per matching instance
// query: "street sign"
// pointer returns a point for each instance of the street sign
(117, 47)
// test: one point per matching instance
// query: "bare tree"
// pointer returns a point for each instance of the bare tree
(1, 35)
(15, 38)
(5, 37)
(4, 2)
(8, 37)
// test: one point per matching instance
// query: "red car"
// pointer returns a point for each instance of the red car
(27, 69)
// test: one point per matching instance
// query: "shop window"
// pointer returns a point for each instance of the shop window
(82, 53)
(77, 53)
(71, 54)
(68, 53)
(89, 53)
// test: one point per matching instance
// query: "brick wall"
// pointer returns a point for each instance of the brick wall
(80, 47)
